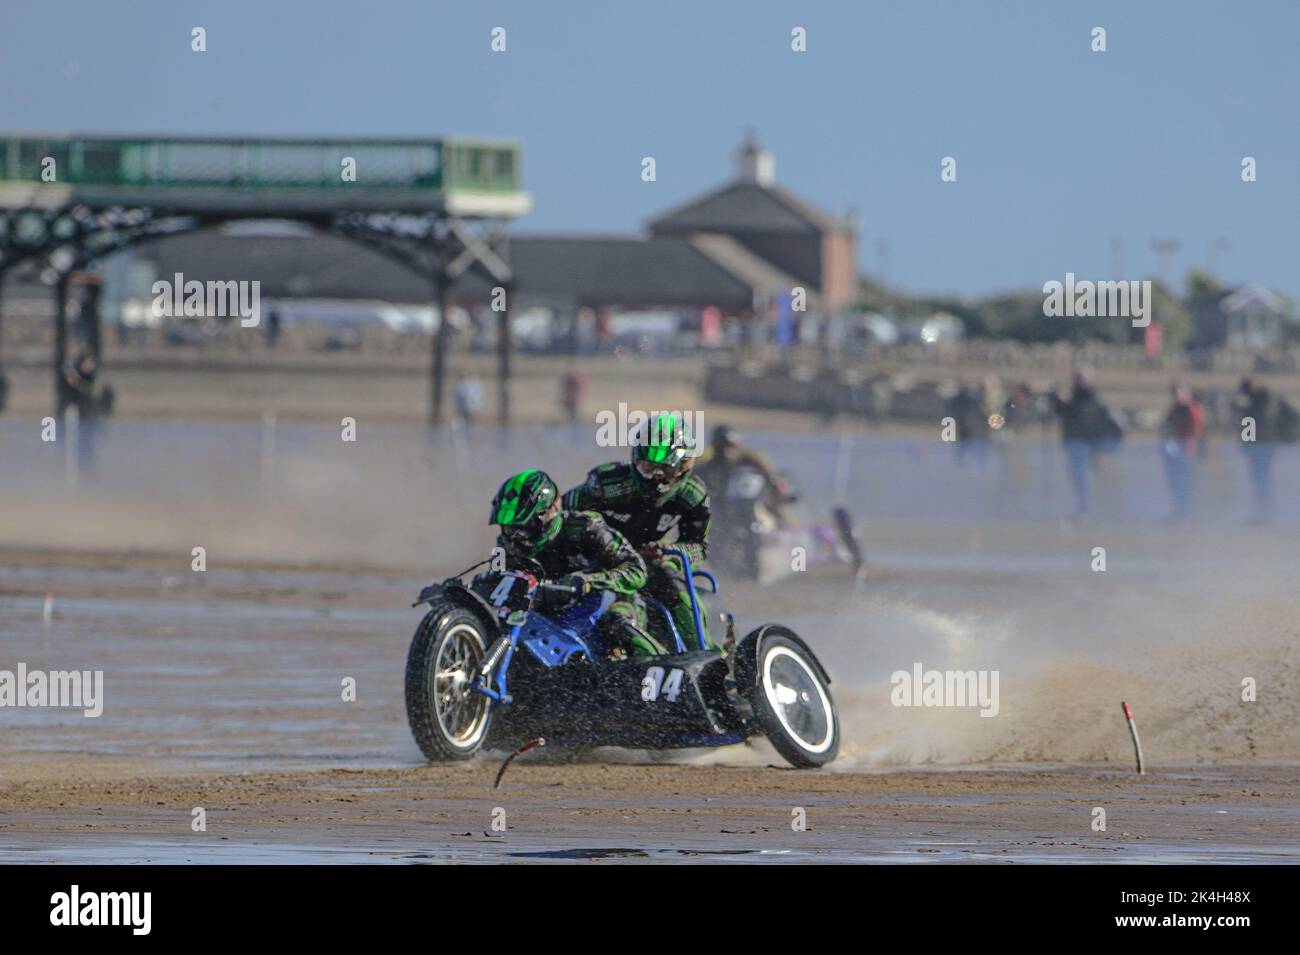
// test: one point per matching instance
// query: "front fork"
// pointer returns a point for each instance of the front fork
(497, 663)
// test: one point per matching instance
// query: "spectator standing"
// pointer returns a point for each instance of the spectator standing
(272, 328)
(1266, 421)
(469, 398)
(966, 408)
(1087, 426)
(573, 389)
(1183, 432)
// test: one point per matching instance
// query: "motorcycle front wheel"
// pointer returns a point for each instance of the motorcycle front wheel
(448, 719)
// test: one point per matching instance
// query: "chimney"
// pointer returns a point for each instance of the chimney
(754, 163)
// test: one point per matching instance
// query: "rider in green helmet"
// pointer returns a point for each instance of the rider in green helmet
(574, 548)
(645, 500)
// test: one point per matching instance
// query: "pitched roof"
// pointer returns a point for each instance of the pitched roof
(703, 268)
(756, 272)
(596, 270)
(1251, 296)
(311, 265)
(627, 270)
(745, 206)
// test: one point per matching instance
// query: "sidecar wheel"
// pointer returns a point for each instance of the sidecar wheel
(448, 719)
(790, 695)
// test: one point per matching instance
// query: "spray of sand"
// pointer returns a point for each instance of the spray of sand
(1177, 643)
(1060, 698)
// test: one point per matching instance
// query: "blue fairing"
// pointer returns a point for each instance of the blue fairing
(572, 630)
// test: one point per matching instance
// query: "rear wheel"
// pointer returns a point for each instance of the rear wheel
(790, 695)
(448, 719)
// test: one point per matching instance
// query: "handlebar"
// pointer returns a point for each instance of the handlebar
(432, 590)
(558, 588)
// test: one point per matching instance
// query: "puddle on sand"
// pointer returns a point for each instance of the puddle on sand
(154, 852)
(599, 853)
(244, 853)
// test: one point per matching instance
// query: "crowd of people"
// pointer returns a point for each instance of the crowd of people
(1261, 420)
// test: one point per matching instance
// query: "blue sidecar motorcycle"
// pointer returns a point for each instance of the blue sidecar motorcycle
(487, 669)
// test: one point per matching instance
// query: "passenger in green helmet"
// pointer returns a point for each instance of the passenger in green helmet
(574, 548)
(661, 454)
(646, 500)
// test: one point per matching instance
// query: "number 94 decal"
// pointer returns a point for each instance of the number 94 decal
(656, 685)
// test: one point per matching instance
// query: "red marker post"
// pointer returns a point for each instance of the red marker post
(1137, 743)
(540, 741)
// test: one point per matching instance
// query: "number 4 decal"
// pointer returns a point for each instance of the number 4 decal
(654, 684)
(502, 591)
(673, 685)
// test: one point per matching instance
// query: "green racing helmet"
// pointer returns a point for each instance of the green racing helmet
(527, 508)
(661, 456)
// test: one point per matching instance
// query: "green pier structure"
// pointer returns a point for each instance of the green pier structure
(440, 206)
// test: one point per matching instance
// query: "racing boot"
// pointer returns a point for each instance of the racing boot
(626, 638)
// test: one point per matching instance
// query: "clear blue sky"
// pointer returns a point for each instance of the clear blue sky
(1059, 149)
